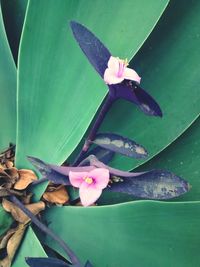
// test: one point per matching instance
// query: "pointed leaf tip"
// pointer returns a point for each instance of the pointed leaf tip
(132, 92)
(155, 184)
(92, 47)
(146, 102)
(121, 145)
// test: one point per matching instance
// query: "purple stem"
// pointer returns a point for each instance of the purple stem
(91, 136)
(46, 230)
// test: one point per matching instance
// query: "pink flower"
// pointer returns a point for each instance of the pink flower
(90, 184)
(117, 71)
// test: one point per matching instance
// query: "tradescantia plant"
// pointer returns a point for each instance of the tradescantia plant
(57, 96)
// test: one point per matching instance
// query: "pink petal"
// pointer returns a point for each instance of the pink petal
(101, 177)
(111, 78)
(132, 75)
(113, 64)
(89, 194)
(77, 178)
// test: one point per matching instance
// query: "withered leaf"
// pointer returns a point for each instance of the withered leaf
(4, 192)
(57, 195)
(12, 245)
(6, 237)
(9, 164)
(12, 173)
(18, 214)
(26, 199)
(26, 177)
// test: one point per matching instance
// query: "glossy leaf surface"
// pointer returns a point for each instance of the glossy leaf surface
(166, 232)
(55, 82)
(30, 246)
(173, 84)
(98, 55)
(120, 144)
(156, 184)
(13, 14)
(183, 158)
(7, 91)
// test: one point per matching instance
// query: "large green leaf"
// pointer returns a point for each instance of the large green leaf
(141, 233)
(5, 221)
(183, 158)
(30, 246)
(13, 14)
(169, 64)
(55, 82)
(7, 91)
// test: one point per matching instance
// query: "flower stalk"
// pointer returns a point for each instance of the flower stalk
(93, 131)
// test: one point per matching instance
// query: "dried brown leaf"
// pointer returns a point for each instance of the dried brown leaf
(12, 245)
(6, 237)
(4, 192)
(12, 172)
(26, 177)
(57, 195)
(27, 198)
(9, 164)
(18, 214)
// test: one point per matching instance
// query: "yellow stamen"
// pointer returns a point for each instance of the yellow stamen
(123, 61)
(126, 62)
(88, 180)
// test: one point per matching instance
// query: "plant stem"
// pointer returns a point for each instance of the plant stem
(92, 133)
(46, 230)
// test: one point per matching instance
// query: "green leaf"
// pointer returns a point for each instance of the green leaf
(30, 247)
(7, 91)
(144, 233)
(13, 15)
(182, 157)
(5, 221)
(169, 64)
(55, 81)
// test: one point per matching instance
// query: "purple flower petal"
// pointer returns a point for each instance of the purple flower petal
(92, 47)
(155, 184)
(89, 194)
(101, 176)
(56, 174)
(77, 178)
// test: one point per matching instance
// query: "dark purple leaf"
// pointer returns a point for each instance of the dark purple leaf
(92, 47)
(46, 262)
(56, 174)
(93, 161)
(146, 102)
(98, 55)
(120, 144)
(101, 154)
(155, 184)
(134, 93)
